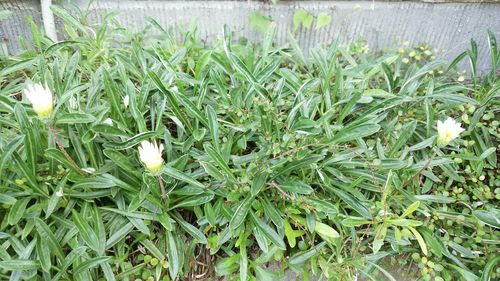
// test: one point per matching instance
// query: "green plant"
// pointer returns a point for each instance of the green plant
(304, 18)
(326, 164)
(259, 22)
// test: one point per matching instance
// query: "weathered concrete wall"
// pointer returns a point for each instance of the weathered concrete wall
(449, 26)
(16, 25)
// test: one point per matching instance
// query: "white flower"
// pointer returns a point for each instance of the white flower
(126, 100)
(150, 154)
(448, 130)
(40, 98)
(108, 121)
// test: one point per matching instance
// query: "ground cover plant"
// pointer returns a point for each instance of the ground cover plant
(148, 156)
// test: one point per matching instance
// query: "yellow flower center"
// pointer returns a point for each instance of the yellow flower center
(155, 167)
(44, 111)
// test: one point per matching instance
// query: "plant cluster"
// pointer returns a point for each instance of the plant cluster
(162, 159)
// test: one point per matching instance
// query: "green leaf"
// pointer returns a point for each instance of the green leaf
(109, 130)
(353, 203)
(191, 108)
(355, 221)
(7, 199)
(243, 259)
(54, 199)
(13, 265)
(273, 213)
(258, 182)
(423, 144)
(119, 234)
(122, 161)
(241, 213)
(434, 198)
(43, 254)
(57, 155)
(404, 222)
(9, 149)
(75, 118)
(176, 174)
(17, 210)
(326, 232)
(489, 267)
(196, 200)
(350, 133)
(99, 230)
(420, 240)
(47, 234)
(412, 208)
(69, 260)
(323, 19)
(171, 99)
(259, 21)
(302, 17)
(133, 141)
(153, 249)
(459, 58)
(436, 246)
(219, 160)
(108, 271)
(289, 233)
(24, 171)
(297, 186)
(487, 152)
(212, 171)
(490, 217)
(322, 206)
(90, 263)
(299, 164)
(302, 257)
(466, 274)
(114, 97)
(213, 125)
(86, 231)
(378, 239)
(68, 19)
(405, 134)
(346, 109)
(386, 274)
(193, 231)
(270, 233)
(30, 140)
(173, 256)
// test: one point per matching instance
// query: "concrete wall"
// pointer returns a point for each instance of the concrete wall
(387, 24)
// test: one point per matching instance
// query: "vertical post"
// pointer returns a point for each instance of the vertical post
(48, 19)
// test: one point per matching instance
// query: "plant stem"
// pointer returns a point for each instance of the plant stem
(64, 152)
(426, 165)
(162, 187)
(273, 184)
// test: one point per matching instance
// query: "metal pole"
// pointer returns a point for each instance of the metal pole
(48, 19)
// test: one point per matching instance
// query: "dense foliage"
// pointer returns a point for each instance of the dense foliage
(327, 164)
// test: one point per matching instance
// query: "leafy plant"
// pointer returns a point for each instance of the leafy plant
(259, 21)
(327, 164)
(323, 19)
(303, 18)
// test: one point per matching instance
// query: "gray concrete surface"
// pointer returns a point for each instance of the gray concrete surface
(387, 24)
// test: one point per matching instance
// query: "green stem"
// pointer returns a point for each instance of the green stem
(63, 150)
